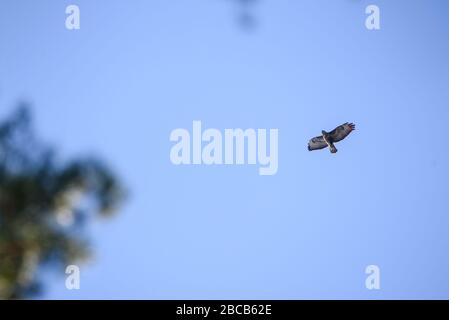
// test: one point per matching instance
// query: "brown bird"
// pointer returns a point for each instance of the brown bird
(327, 139)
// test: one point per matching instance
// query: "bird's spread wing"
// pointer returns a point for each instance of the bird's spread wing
(317, 143)
(341, 132)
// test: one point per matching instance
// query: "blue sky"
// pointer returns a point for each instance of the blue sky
(134, 72)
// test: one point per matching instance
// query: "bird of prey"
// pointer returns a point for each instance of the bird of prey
(327, 139)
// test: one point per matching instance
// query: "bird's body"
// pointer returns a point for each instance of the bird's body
(327, 139)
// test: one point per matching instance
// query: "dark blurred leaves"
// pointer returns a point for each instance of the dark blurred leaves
(44, 206)
(245, 15)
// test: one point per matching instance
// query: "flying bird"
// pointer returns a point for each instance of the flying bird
(327, 139)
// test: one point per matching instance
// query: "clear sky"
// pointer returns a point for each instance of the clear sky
(138, 69)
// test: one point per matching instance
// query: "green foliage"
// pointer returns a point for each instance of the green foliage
(44, 207)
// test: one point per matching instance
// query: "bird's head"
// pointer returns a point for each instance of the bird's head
(323, 132)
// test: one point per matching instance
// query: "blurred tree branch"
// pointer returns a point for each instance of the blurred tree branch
(245, 15)
(44, 206)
